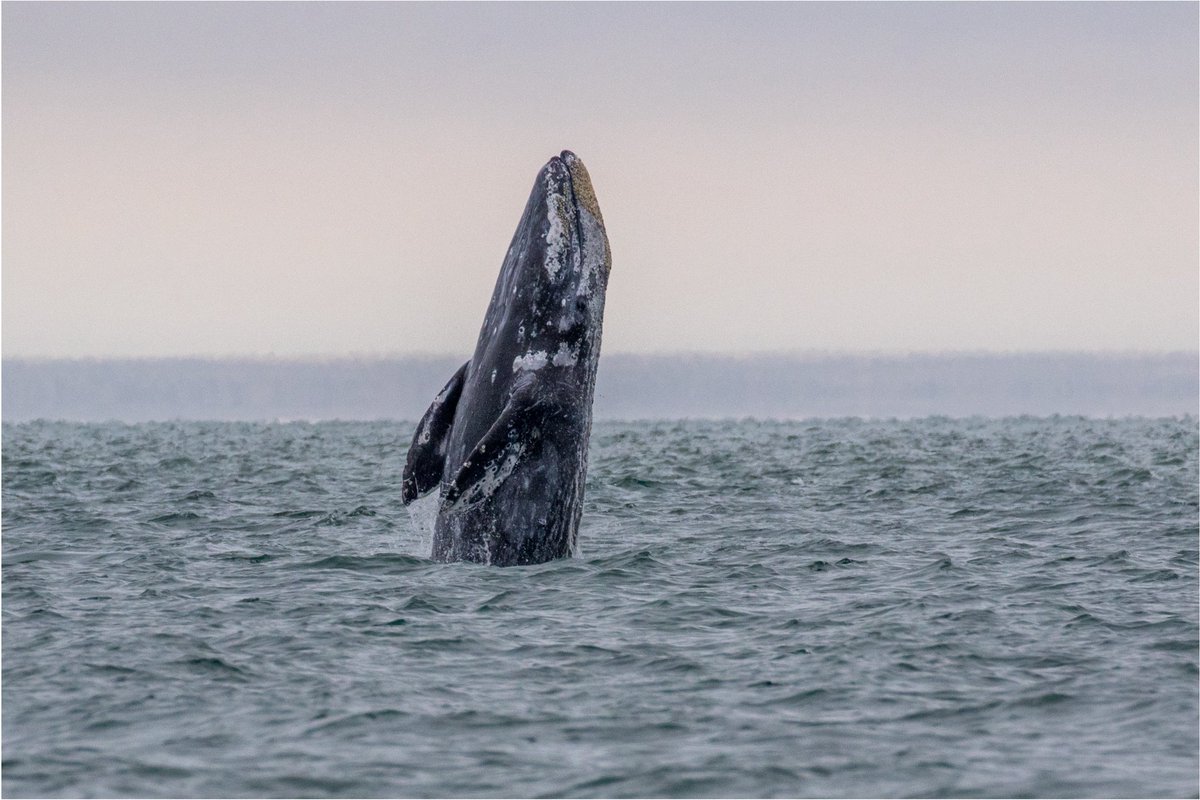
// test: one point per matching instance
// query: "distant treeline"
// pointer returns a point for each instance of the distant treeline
(628, 387)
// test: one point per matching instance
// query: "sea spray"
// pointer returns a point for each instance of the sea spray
(422, 516)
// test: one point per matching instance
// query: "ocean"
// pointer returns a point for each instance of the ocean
(831, 607)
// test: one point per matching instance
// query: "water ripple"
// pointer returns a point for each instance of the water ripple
(771, 609)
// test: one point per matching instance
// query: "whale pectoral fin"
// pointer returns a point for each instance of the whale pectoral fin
(427, 454)
(511, 437)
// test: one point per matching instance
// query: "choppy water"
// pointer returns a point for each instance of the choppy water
(932, 607)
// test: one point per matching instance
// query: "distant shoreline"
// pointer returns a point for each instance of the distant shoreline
(800, 384)
(799, 354)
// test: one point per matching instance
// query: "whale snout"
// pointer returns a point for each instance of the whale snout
(556, 175)
(567, 170)
(581, 185)
(566, 251)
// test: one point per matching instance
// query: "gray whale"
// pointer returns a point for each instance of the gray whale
(506, 441)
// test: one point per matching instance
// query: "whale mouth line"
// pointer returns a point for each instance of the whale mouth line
(565, 158)
(570, 176)
(576, 218)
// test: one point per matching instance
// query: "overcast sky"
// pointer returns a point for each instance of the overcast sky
(235, 179)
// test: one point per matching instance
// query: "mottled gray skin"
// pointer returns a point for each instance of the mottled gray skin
(506, 441)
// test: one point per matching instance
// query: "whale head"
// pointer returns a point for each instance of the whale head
(549, 298)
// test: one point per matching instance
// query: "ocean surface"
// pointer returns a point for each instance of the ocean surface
(932, 607)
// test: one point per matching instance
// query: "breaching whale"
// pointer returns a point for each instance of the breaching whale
(506, 441)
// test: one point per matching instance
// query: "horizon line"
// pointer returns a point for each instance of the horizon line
(798, 353)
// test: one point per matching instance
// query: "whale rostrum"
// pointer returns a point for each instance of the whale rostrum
(505, 442)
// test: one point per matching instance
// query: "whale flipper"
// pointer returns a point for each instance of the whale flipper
(513, 436)
(427, 455)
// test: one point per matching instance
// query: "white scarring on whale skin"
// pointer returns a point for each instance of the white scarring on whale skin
(493, 476)
(531, 362)
(556, 240)
(564, 357)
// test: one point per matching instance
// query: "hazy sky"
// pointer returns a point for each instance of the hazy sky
(341, 178)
